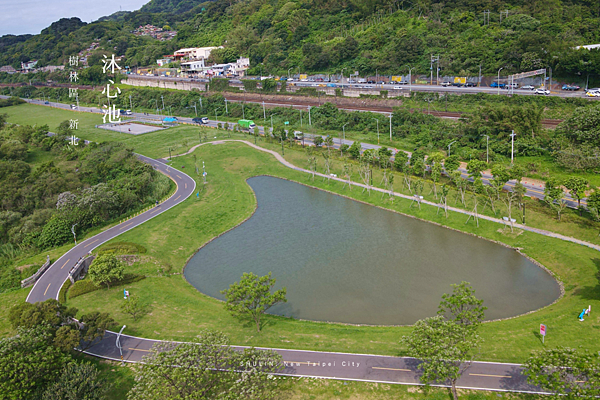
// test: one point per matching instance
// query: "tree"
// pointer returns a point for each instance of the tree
(49, 313)
(106, 269)
(565, 372)
(444, 347)
(28, 363)
(94, 327)
(451, 163)
(553, 195)
(475, 167)
(206, 369)
(355, 149)
(577, 186)
(77, 382)
(251, 296)
(446, 343)
(318, 141)
(462, 306)
(400, 161)
(593, 203)
(501, 175)
(132, 306)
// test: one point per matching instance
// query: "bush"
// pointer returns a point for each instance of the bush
(87, 286)
(123, 248)
(62, 295)
(82, 287)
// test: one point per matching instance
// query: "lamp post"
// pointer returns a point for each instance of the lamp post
(289, 71)
(390, 127)
(163, 101)
(243, 113)
(344, 130)
(498, 81)
(449, 147)
(377, 129)
(342, 82)
(512, 147)
(487, 147)
(73, 231)
(226, 109)
(309, 122)
(300, 118)
(218, 108)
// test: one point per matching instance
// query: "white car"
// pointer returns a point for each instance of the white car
(542, 91)
(592, 93)
(128, 112)
(204, 120)
(528, 87)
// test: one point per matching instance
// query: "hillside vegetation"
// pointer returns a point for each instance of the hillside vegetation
(325, 36)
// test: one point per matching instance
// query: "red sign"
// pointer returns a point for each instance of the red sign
(542, 329)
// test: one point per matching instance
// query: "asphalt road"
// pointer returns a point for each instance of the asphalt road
(343, 366)
(533, 190)
(49, 284)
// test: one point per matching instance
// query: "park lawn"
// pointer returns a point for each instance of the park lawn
(175, 235)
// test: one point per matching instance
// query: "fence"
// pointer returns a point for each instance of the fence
(80, 268)
(33, 278)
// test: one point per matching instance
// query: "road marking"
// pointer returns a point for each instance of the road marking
(177, 198)
(185, 186)
(139, 349)
(123, 227)
(393, 369)
(90, 243)
(178, 176)
(492, 376)
(47, 288)
(65, 263)
(155, 210)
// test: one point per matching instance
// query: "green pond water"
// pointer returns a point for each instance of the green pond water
(345, 261)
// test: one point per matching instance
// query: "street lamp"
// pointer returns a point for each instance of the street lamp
(377, 129)
(498, 81)
(344, 130)
(289, 71)
(309, 123)
(342, 73)
(449, 147)
(487, 147)
(390, 127)
(226, 109)
(512, 147)
(218, 108)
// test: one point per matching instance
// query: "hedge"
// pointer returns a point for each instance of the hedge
(87, 286)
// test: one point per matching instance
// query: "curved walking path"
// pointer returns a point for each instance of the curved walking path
(49, 284)
(299, 363)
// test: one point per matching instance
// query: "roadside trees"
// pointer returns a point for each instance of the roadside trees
(206, 369)
(106, 269)
(132, 306)
(594, 204)
(446, 343)
(75, 382)
(252, 297)
(566, 372)
(577, 186)
(553, 195)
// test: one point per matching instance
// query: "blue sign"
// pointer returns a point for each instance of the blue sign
(287, 122)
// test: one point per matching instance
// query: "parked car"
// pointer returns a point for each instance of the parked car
(528, 87)
(46, 102)
(542, 91)
(170, 119)
(470, 84)
(73, 107)
(592, 93)
(331, 85)
(446, 84)
(513, 85)
(402, 83)
(457, 84)
(496, 84)
(381, 83)
(570, 87)
(128, 112)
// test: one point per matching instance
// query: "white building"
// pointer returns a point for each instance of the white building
(194, 53)
(29, 64)
(164, 61)
(193, 66)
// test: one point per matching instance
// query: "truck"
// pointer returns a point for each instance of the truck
(246, 124)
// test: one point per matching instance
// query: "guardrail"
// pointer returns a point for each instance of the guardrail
(80, 268)
(33, 278)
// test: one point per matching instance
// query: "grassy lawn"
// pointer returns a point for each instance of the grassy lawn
(178, 311)
(175, 235)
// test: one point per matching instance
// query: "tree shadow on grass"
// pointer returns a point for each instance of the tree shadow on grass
(591, 292)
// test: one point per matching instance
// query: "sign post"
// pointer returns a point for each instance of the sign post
(543, 332)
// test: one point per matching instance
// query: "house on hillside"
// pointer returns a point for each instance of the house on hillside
(29, 65)
(194, 53)
(8, 69)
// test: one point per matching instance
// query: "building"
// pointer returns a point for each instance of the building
(165, 60)
(51, 68)
(588, 47)
(28, 65)
(193, 66)
(8, 69)
(194, 53)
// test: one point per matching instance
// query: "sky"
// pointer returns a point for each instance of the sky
(19, 17)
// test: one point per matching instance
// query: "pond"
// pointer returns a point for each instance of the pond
(345, 261)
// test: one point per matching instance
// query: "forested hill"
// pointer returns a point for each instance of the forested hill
(369, 36)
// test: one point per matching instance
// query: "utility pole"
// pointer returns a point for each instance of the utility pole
(195, 109)
(264, 112)
(377, 129)
(390, 127)
(479, 82)
(163, 101)
(300, 118)
(130, 103)
(435, 59)
(200, 98)
(512, 147)
(243, 113)
(309, 122)
(226, 109)
(344, 130)
(449, 147)
(498, 81)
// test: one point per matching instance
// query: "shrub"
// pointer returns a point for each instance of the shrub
(82, 287)
(62, 295)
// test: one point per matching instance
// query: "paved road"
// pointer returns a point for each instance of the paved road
(344, 366)
(49, 284)
(534, 190)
